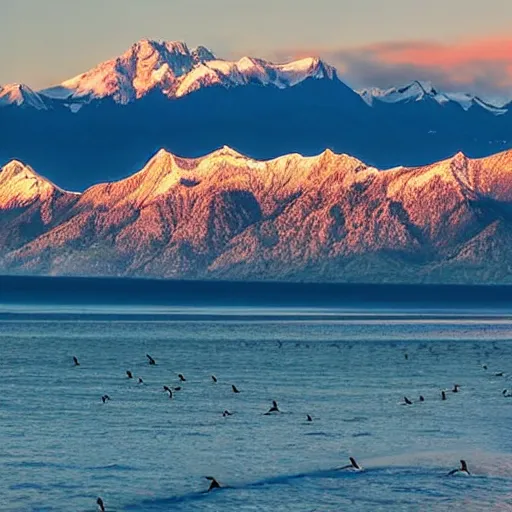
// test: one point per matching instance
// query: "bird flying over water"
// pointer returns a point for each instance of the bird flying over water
(150, 360)
(462, 470)
(353, 465)
(234, 388)
(101, 505)
(214, 484)
(273, 409)
(75, 360)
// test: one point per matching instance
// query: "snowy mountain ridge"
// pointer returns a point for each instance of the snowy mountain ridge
(175, 70)
(421, 90)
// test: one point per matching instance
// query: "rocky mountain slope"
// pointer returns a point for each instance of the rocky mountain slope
(324, 218)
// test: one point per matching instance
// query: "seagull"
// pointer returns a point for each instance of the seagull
(463, 469)
(353, 465)
(181, 377)
(101, 505)
(274, 408)
(129, 374)
(104, 398)
(227, 413)
(214, 484)
(309, 418)
(407, 401)
(234, 388)
(75, 360)
(150, 360)
(214, 378)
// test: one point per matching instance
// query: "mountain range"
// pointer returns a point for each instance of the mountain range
(329, 217)
(103, 124)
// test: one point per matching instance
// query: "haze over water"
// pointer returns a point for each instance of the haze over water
(62, 447)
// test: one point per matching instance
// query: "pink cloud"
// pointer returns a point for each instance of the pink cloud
(482, 66)
(426, 54)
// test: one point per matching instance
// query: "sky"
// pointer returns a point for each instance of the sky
(459, 45)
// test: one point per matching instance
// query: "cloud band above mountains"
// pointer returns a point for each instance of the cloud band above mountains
(480, 66)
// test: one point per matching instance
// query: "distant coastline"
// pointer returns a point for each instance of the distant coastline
(141, 291)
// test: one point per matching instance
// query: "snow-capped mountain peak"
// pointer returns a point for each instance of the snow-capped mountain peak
(144, 66)
(173, 69)
(21, 96)
(20, 185)
(414, 91)
(422, 90)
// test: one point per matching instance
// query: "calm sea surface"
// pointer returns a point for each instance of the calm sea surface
(61, 447)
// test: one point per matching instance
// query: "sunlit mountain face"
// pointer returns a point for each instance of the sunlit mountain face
(330, 217)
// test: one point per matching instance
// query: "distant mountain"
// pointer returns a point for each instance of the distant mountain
(103, 124)
(424, 91)
(20, 95)
(324, 218)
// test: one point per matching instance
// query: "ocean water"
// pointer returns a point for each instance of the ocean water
(61, 447)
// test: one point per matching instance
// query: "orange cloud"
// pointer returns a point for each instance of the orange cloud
(482, 66)
(498, 50)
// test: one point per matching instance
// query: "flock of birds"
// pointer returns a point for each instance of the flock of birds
(274, 409)
(507, 393)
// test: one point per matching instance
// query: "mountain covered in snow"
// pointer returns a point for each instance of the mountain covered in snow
(328, 217)
(20, 95)
(424, 91)
(104, 123)
(175, 71)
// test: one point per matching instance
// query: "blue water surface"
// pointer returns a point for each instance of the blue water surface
(61, 447)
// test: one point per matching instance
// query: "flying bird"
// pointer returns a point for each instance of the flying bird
(273, 409)
(462, 470)
(101, 505)
(354, 466)
(214, 484)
